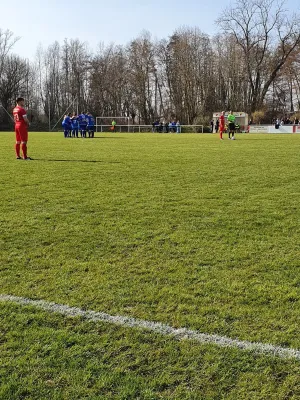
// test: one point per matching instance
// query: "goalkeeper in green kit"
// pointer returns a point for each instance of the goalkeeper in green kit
(113, 125)
(231, 125)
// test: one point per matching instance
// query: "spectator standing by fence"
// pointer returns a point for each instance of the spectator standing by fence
(217, 126)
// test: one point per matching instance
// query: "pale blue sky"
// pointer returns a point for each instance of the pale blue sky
(94, 21)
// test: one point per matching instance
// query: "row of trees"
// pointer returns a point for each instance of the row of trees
(251, 65)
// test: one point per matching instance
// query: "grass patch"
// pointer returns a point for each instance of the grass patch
(181, 229)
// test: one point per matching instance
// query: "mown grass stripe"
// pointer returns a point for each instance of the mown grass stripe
(157, 327)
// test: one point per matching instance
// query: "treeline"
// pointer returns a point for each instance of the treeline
(251, 65)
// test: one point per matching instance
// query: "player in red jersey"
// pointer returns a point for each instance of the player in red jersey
(222, 124)
(21, 129)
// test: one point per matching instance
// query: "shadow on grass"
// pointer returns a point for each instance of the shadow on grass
(81, 161)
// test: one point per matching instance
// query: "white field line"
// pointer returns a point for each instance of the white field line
(162, 329)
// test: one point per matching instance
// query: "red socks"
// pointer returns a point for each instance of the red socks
(24, 150)
(17, 148)
(22, 146)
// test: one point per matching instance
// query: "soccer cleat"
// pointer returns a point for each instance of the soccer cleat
(18, 158)
(27, 158)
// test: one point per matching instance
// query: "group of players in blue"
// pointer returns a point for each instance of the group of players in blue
(79, 124)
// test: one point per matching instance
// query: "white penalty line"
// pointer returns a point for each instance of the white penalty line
(157, 327)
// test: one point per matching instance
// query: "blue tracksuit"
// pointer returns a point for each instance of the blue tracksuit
(66, 124)
(91, 125)
(74, 126)
(82, 124)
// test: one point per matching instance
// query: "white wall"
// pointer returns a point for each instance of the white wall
(271, 129)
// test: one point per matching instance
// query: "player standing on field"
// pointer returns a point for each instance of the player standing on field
(66, 124)
(74, 122)
(91, 125)
(222, 124)
(82, 124)
(231, 125)
(113, 126)
(21, 129)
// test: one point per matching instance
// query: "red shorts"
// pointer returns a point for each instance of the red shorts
(21, 133)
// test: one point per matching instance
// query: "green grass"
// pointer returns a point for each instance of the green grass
(181, 229)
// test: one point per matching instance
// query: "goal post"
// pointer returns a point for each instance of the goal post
(137, 128)
(106, 122)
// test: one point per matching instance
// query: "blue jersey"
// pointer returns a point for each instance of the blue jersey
(82, 120)
(66, 122)
(75, 122)
(91, 121)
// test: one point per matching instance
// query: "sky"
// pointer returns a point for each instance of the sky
(105, 21)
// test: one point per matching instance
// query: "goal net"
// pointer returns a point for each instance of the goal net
(105, 124)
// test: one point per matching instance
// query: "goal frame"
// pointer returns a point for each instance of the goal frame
(139, 128)
(111, 118)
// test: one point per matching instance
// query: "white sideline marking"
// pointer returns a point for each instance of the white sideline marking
(157, 327)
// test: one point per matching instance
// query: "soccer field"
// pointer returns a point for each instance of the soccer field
(185, 230)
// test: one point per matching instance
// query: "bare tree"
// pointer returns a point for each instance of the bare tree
(108, 82)
(251, 65)
(230, 74)
(7, 41)
(75, 59)
(142, 78)
(188, 59)
(12, 82)
(267, 36)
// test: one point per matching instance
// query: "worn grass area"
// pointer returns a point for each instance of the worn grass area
(181, 229)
